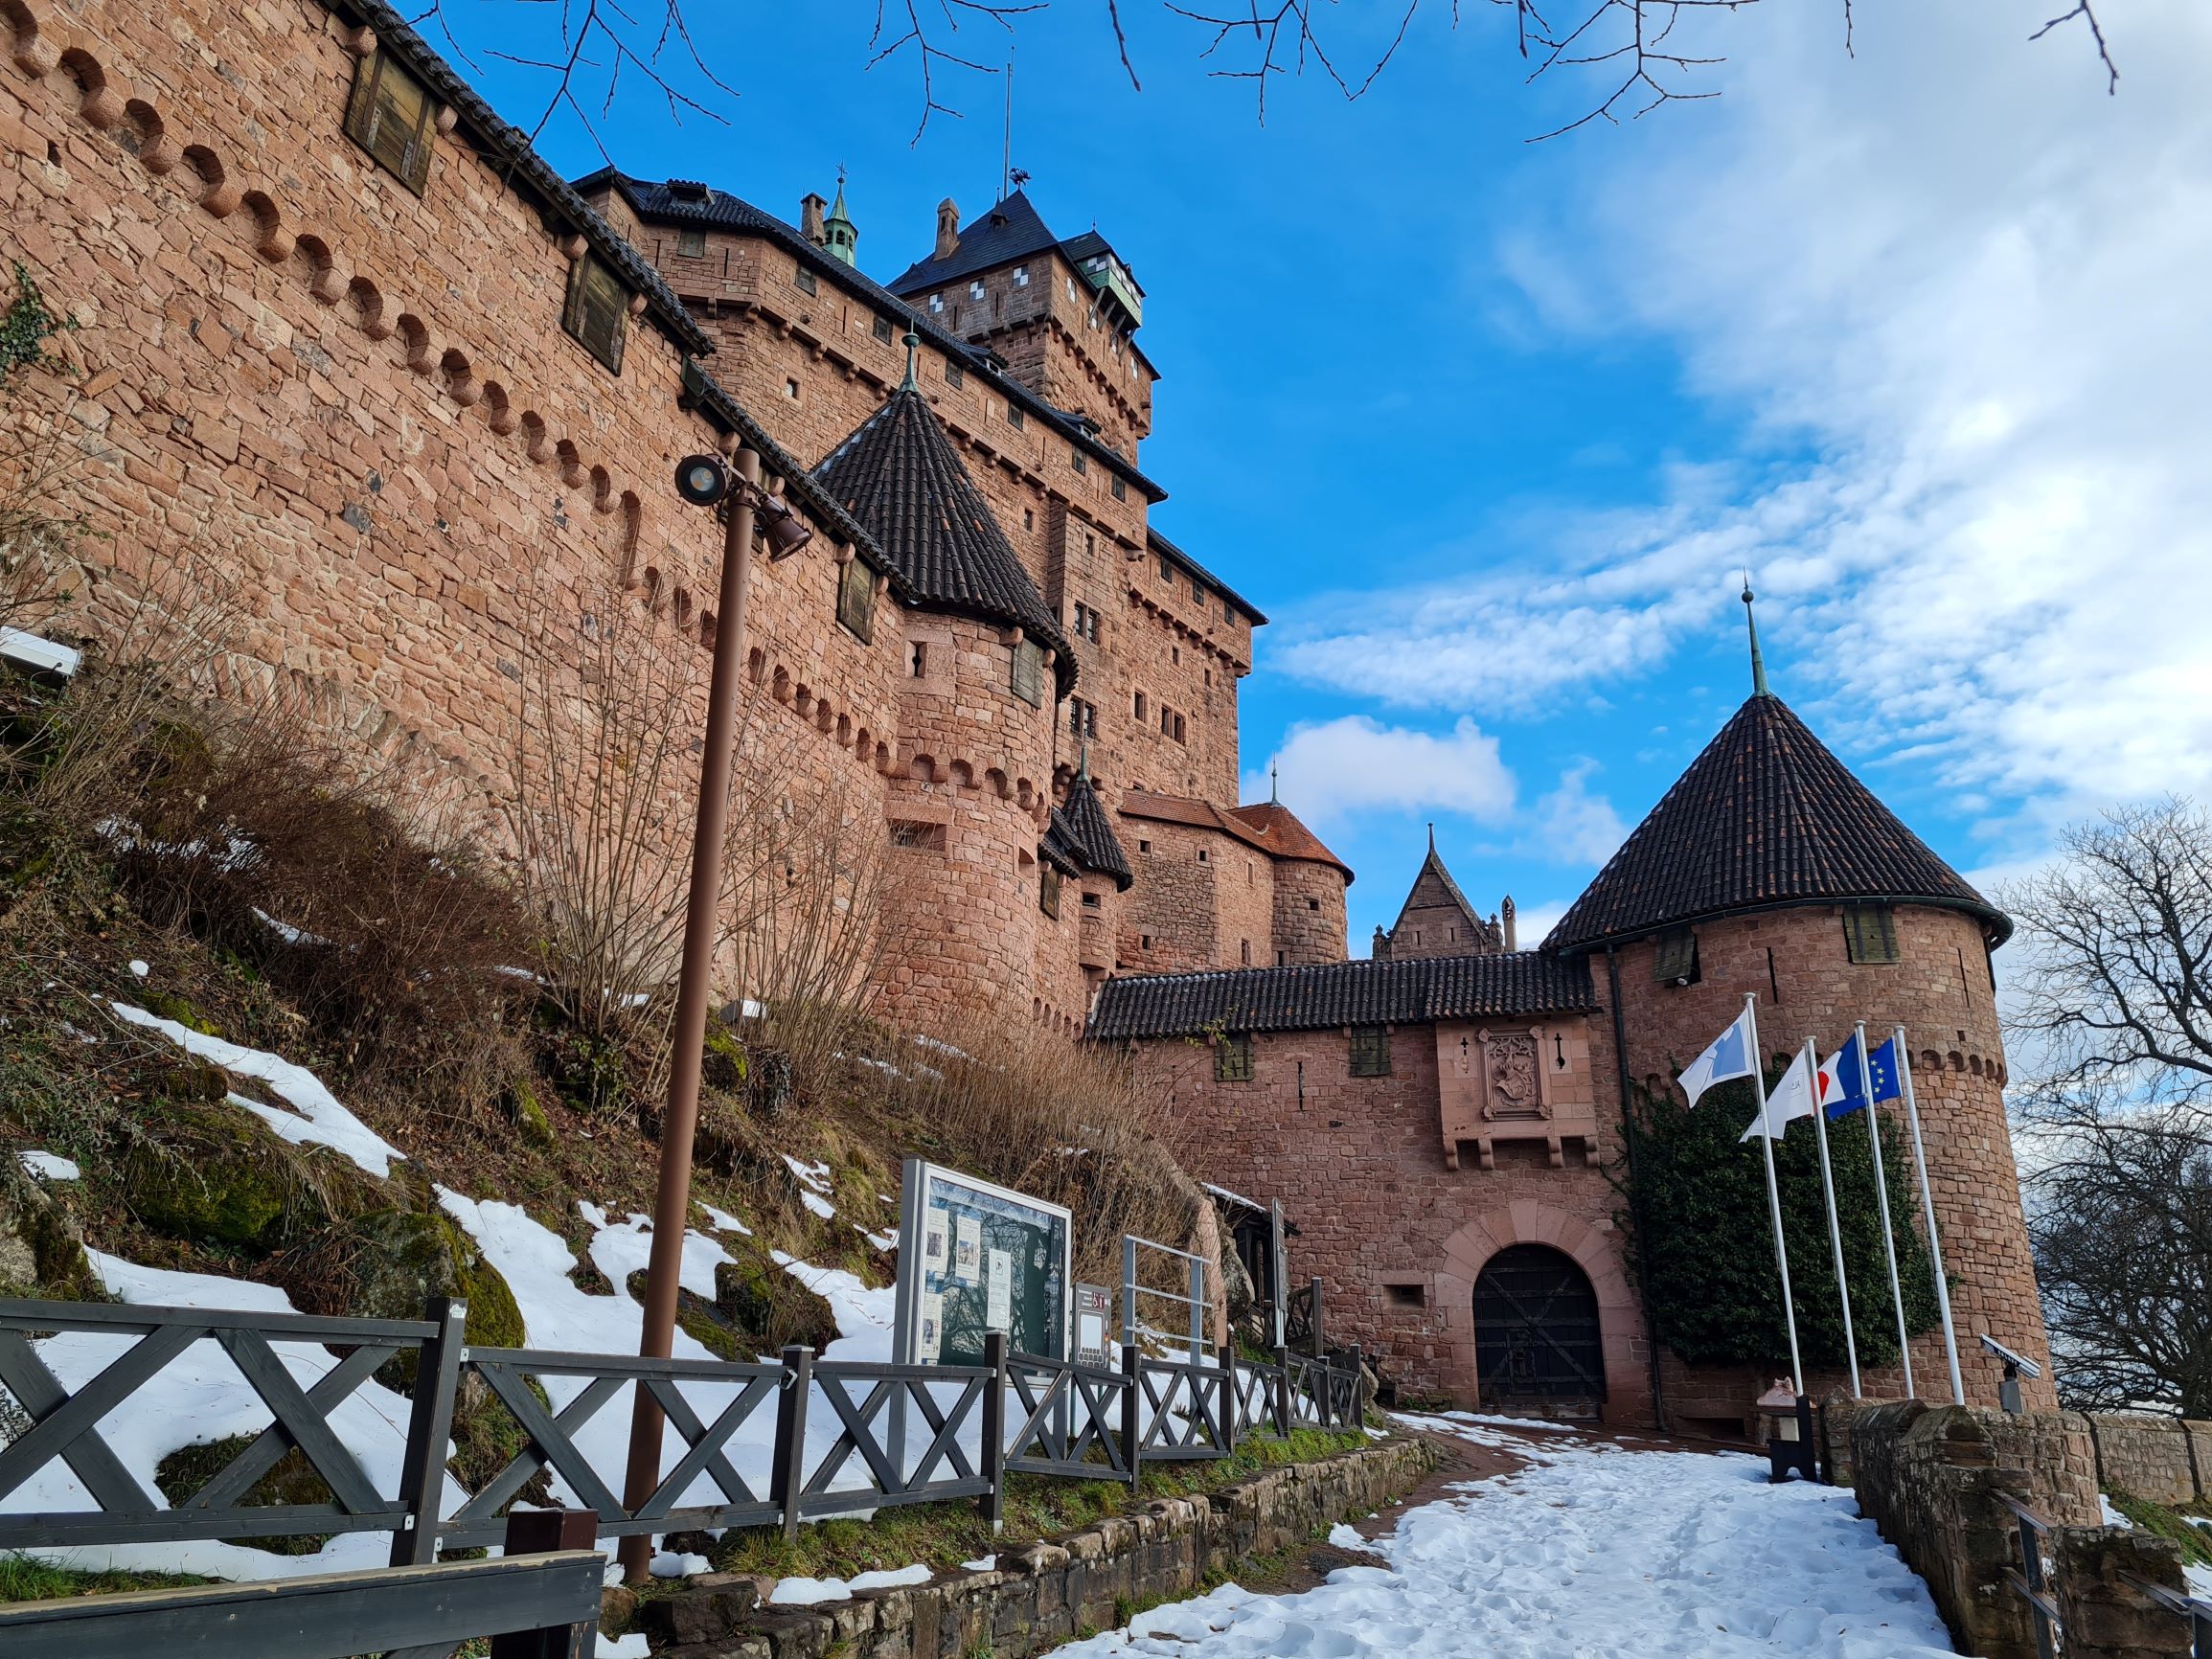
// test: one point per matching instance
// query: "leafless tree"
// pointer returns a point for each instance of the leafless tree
(2113, 1028)
(1629, 49)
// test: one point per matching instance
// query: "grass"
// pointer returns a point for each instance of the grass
(2170, 1523)
(25, 1579)
(943, 1535)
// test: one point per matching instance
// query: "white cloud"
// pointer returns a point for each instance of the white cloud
(1965, 288)
(1336, 768)
(1573, 825)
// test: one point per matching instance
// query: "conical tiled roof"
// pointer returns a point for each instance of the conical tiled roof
(1080, 837)
(1284, 834)
(899, 476)
(1766, 816)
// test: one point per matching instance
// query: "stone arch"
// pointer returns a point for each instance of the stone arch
(603, 495)
(1598, 1254)
(632, 526)
(683, 607)
(142, 133)
(459, 377)
(756, 665)
(498, 414)
(653, 587)
(571, 462)
(780, 688)
(325, 279)
(534, 442)
(367, 303)
(219, 197)
(34, 54)
(995, 778)
(707, 627)
(963, 774)
(97, 101)
(923, 769)
(413, 342)
(271, 241)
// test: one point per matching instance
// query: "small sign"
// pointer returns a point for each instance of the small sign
(1094, 1307)
(998, 1292)
(968, 1248)
(934, 1242)
(975, 1258)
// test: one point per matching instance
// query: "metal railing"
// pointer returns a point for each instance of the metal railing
(2032, 1578)
(845, 1437)
(2196, 1609)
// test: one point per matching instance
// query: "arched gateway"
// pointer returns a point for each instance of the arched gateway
(1536, 1329)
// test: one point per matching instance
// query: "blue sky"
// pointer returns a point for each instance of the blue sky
(1489, 427)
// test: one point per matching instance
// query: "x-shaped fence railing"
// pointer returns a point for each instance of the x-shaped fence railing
(901, 1406)
(1069, 1412)
(1257, 1391)
(1182, 1406)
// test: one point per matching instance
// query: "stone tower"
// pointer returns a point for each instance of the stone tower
(1767, 867)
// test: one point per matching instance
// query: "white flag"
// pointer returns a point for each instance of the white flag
(1727, 1057)
(1795, 1095)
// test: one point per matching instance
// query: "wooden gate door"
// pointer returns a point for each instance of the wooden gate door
(1535, 1329)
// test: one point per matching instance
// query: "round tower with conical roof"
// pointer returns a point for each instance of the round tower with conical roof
(1769, 869)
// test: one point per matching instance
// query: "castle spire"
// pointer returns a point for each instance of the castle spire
(913, 343)
(1275, 783)
(1758, 662)
(840, 235)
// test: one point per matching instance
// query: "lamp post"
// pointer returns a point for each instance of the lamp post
(704, 481)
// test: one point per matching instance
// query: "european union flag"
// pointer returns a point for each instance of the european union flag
(1881, 1068)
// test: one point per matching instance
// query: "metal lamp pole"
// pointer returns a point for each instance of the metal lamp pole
(671, 1202)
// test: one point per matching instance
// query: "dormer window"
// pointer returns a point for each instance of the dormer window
(597, 310)
(392, 117)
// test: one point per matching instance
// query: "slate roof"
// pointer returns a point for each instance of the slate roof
(522, 165)
(1079, 837)
(1326, 995)
(900, 477)
(1161, 544)
(1007, 230)
(1766, 816)
(714, 209)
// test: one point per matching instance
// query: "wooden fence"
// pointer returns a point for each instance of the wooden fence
(883, 1435)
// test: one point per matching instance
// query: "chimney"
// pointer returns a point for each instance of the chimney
(811, 206)
(948, 229)
(1380, 950)
(1512, 939)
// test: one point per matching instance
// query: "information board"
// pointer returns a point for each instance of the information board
(974, 1257)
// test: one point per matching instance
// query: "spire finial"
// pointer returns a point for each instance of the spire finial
(1432, 838)
(1082, 761)
(913, 343)
(1758, 662)
(1274, 783)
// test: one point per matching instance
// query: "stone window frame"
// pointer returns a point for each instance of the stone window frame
(1076, 460)
(601, 334)
(1138, 705)
(882, 328)
(1676, 959)
(1025, 675)
(917, 835)
(365, 112)
(955, 376)
(856, 600)
(1014, 418)
(805, 279)
(1370, 1051)
(1233, 1058)
(1121, 487)
(691, 244)
(1048, 888)
(1167, 570)
(1870, 934)
(1021, 276)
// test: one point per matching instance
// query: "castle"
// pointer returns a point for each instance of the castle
(342, 331)
(345, 329)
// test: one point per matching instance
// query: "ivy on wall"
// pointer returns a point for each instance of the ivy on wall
(26, 325)
(1702, 1241)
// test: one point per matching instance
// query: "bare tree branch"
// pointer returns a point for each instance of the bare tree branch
(2086, 14)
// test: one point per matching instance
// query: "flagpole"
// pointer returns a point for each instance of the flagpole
(1834, 1227)
(1881, 1199)
(1773, 1193)
(1927, 1208)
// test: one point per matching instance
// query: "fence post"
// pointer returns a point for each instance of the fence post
(1314, 1328)
(788, 1465)
(1283, 1418)
(542, 1533)
(993, 1502)
(1229, 1411)
(1358, 1386)
(423, 1473)
(1132, 1425)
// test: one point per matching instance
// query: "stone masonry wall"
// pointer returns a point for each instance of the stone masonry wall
(2167, 1460)
(1399, 1263)
(1795, 961)
(1308, 920)
(1046, 1594)
(1930, 1478)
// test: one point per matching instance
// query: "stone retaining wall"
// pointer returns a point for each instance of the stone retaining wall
(1044, 1595)
(2165, 1459)
(1931, 1479)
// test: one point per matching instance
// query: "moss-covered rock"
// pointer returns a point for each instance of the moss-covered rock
(292, 1481)
(41, 1249)
(164, 1004)
(723, 1059)
(388, 1263)
(522, 1105)
(213, 1174)
(767, 1307)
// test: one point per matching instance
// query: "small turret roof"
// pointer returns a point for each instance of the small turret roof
(900, 477)
(1767, 816)
(1080, 837)
(1009, 229)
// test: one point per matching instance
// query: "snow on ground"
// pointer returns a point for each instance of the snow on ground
(50, 1166)
(1593, 1551)
(723, 1221)
(316, 1117)
(806, 1592)
(813, 1185)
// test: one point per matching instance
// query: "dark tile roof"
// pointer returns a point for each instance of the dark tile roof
(1766, 816)
(707, 396)
(522, 165)
(898, 475)
(1502, 985)
(1007, 230)
(1081, 838)
(718, 210)
(1161, 544)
